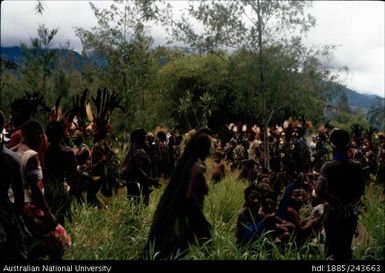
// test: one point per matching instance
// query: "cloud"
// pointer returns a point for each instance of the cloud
(356, 26)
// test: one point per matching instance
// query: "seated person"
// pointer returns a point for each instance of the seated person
(293, 199)
(258, 216)
(248, 214)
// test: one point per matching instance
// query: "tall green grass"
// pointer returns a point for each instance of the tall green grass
(373, 219)
(120, 232)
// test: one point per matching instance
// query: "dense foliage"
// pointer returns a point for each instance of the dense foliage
(182, 88)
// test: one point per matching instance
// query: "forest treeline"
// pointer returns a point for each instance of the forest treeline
(240, 67)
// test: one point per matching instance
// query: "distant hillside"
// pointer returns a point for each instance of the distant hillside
(13, 54)
(356, 99)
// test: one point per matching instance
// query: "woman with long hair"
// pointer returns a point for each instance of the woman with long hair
(179, 220)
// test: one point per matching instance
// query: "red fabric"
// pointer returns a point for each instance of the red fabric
(60, 238)
(57, 239)
(16, 138)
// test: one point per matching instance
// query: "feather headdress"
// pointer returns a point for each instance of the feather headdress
(369, 134)
(101, 110)
(357, 130)
(56, 111)
(380, 136)
(162, 129)
(78, 113)
(64, 117)
(37, 101)
(323, 130)
(289, 126)
(230, 126)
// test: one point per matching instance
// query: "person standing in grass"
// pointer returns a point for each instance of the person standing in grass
(49, 237)
(82, 158)
(137, 169)
(13, 233)
(179, 220)
(59, 173)
(380, 175)
(340, 185)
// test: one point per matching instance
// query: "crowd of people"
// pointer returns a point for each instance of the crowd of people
(329, 173)
(45, 169)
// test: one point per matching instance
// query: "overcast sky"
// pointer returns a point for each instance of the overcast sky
(356, 26)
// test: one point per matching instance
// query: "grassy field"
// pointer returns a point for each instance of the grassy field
(119, 232)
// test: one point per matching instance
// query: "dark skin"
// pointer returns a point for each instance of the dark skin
(250, 209)
(19, 117)
(152, 182)
(218, 170)
(12, 179)
(299, 196)
(141, 164)
(33, 140)
(34, 181)
(267, 213)
(57, 152)
(179, 219)
(102, 160)
(196, 171)
(253, 200)
(98, 136)
(82, 153)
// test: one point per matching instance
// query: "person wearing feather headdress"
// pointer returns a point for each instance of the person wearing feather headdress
(320, 152)
(297, 151)
(101, 166)
(82, 157)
